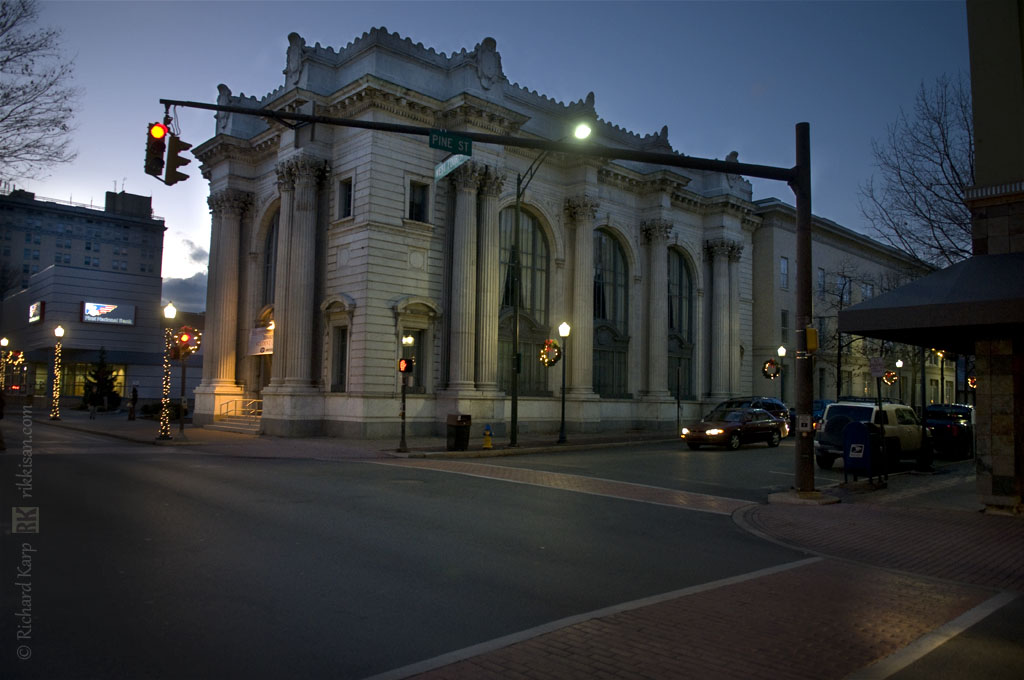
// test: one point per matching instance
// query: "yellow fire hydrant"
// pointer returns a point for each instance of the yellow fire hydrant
(487, 437)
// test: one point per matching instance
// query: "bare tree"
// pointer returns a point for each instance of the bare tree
(926, 163)
(36, 99)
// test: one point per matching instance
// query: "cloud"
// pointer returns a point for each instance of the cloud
(188, 295)
(196, 254)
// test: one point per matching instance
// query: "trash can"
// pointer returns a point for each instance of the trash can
(862, 451)
(458, 431)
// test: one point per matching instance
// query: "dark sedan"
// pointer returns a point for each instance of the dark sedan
(952, 429)
(733, 427)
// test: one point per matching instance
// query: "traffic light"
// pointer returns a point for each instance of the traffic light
(174, 160)
(406, 365)
(156, 144)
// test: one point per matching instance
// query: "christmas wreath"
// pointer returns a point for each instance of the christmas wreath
(889, 378)
(770, 369)
(550, 353)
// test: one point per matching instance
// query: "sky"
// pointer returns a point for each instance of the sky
(722, 76)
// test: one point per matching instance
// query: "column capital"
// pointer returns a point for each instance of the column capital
(491, 182)
(308, 169)
(656, 230)
(581, 208)
(467, 176)
(232, 201)
(723, 247)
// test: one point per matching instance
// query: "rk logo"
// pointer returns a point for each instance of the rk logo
(25, 520)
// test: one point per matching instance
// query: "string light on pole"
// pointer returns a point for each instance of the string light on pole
(57, 350)
(165, 382)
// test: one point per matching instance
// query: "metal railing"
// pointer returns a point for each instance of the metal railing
(245, 408)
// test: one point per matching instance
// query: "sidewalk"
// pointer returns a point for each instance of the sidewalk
(890, 576)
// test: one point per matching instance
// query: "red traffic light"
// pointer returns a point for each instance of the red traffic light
(406, 365)
(184, 339)
(157, 130)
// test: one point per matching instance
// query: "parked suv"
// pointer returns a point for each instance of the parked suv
(902, 435)
(770, 404)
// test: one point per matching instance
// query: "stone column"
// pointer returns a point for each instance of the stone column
(488, 288)
(656, 236)
(214, 293)
(286, 188)
(718, 253)
(221, 337)
(301, 291)
(462, 337)
(735, 251)
(582, 211)
(253, 293)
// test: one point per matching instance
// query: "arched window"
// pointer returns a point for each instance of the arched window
(534, 261)
(611, 317)
(270, 261)
(680, 326)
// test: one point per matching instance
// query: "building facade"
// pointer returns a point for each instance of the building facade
(331, 244)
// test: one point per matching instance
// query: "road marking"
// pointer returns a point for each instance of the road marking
(595, 486)
(926, 644)
(543, 629)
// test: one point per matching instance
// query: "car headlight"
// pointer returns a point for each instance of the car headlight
(685, 432)
(713, 431)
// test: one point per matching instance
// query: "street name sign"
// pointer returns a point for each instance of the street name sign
(447, 165)
(446, 141)
(877, 366)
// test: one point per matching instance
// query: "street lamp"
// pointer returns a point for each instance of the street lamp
(165, 382)
(55, 403)
(782, 372)
(899, 376)
(942, 375)
(563, 332)
(581, 131)
(403, 373)
(3, 363)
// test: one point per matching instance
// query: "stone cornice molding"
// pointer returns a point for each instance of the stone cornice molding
(655, 231)
(231, 201)
(581, 208)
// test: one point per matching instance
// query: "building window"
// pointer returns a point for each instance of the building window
(416, 351)
(867, 291)
(88, 261)
(57, 258)
(680, 326)
(419, 195)
(35, 254)
(784, 273)
(339, 358)
(611, 314)
(67, 258)
(534, 328)
(345, 198)
(784, 326)
(821, 282)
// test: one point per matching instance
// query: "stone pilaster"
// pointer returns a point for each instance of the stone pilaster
(735, 252)
(582, 211)
(221, 337)
(655, 234)
(488, 288)
(301, 260)
(286, 189)
(253, 299)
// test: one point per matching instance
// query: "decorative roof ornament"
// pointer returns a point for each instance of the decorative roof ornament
(488, 63)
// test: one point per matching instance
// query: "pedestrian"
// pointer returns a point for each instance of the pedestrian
(131, 402)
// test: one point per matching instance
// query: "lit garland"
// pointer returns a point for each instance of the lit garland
(165, 385)
(972, 382)
(55, 403)
(889, 378)
(550, 353)
(770, 369)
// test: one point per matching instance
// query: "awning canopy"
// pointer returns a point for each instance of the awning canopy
(981, 298)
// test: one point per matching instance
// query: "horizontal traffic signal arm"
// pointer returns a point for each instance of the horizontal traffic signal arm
(581, 149)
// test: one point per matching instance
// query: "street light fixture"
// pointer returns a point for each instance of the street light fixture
(581, 131)
(55, 403)
(899, 376)
(165, 382)
(563, 332)
(3, 363)
(782, 372)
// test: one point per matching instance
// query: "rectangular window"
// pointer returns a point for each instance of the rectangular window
(784, 273)
(418, 196)
(821, 281)
(345, 198)
(67, 258)
(35, 254)
(867, 291)
(784, 326)
(57, 258)
(88, 260)
(339, 358)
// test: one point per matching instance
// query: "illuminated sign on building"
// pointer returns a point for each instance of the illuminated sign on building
(101, 312)
(35, 311)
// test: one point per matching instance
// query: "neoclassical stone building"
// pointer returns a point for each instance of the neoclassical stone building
(338, 243)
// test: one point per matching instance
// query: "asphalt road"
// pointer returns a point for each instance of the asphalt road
(170, 565)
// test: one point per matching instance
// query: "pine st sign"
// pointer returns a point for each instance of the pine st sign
(446, 141)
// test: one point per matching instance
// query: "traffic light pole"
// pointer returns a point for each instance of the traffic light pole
(798, 177)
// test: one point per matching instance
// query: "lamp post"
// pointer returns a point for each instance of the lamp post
(55, 403)
(3, 363)
(782, 372)
(165, 382)
(942, 375)
(899, 376)
(563, 332)
(523, 179)
(407, 341)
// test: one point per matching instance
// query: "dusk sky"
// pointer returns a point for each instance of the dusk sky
(722, 76)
